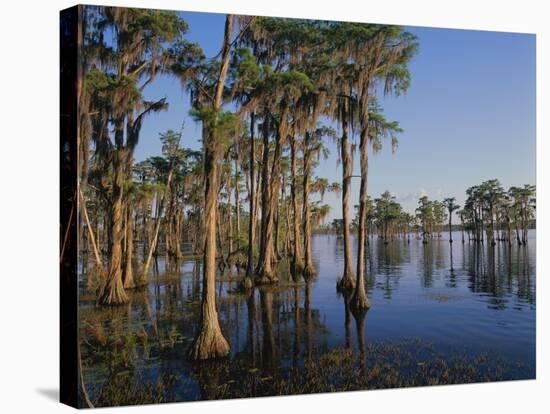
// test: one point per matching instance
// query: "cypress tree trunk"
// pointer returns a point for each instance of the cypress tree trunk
(129, 270)
(509, 230)
(154, 238)
(288, 233)
(517, 231)
(178, 221)
(277, 253)
(107, 234)
(360, 302)
(247, 283)
(525, 224)
(262, 265)
(210, 342)
(347, 282)
(112, 292)
(178, 234)
(97, 255)
(144, 225)
(309, 268)
(168, 220)
(97, 233)
(493, 242)
(229, 211)
(157, 209)
(297, 259)
(450, 230)
(257, 226)
(237, 203)
(265, 273)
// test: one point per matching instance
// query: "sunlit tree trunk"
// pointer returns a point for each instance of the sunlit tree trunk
(95, 248)
(277, 253)
(156, 231)
(309, 268)
(265, 272)
(144, 227)
(264, 266)
(178, 231)
(112, 292)
(210, 342)
(168, 228)
(348, 281)
(237, 203)
(289, 229)
(257, 222)
(229, 209)
(247, 283)
(297, 258)
(360, 302)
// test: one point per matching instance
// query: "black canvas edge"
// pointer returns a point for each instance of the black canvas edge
(68, 311)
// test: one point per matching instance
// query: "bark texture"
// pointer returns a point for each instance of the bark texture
(265, 273)
(112, 291)
(247, 283)
(210, 342)
(359, 301)
(297, 255)
(309, 268)
(347, 283)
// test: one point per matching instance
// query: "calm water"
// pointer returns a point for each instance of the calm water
(460, 299)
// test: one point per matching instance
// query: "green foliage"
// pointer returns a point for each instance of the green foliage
(117, 94)
(223, 125)
(380, 128)
(170, 144)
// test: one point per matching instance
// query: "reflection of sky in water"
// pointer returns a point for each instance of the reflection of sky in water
(413, 293)
(486, 303)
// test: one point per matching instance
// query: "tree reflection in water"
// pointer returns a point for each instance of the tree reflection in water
(298, 336)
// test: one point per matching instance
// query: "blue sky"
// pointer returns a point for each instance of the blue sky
(468, 116)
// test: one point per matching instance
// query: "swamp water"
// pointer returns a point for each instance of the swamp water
(440, 314)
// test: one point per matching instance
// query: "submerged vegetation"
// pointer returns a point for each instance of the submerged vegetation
(249, 202)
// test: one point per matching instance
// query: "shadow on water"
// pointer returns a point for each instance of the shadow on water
(441, 314)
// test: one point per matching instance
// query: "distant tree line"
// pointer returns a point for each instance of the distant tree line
(490, 214)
